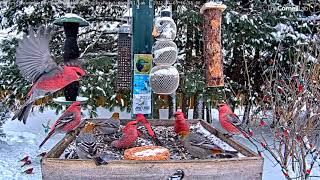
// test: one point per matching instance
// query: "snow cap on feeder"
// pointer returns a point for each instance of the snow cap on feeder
(164, 79)
(71, 18)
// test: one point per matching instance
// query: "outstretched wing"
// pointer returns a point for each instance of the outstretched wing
(33, 54)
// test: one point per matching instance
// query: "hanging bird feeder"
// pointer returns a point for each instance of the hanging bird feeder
(212, 13)
(164, 53)
(71, 23)
(164, 29)
(164, 79)
(124, 58)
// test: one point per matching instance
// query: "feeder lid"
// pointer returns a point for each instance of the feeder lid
(125, 28)
(166, 13)
(212, 5)
(72, 18)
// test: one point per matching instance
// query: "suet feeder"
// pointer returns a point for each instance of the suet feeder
(124, 58)
(164, 79)
(212, 43)
(71, 23)
(164, 53)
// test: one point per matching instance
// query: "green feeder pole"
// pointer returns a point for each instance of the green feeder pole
(143, 15)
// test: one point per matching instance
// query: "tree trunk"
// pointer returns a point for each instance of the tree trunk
(198, 108)
(172, 105)
(247, 110)
(184, 107)
(208, 113)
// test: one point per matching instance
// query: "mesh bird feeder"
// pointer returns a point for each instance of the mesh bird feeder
(164, 79)
(124, 58)
(164, 27)
(212, 43)
(164, 53)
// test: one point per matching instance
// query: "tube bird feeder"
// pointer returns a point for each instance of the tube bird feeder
(71, 23)
(212, 43)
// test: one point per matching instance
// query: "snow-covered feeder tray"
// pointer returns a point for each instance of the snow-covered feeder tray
(164, 79)
(166, 28)
(164, 53)
(63, 101)
(247, 165)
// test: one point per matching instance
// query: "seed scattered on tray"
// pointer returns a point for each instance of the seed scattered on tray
(165, 134)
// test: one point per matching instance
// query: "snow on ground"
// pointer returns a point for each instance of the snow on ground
(23, 140)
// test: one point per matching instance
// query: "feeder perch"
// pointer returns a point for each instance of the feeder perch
(124, 58)
(212, 43)
(164, 79)
(63, 101)
(164, 29)
(164, 53)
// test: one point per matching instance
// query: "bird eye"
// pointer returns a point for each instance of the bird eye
(79, 74)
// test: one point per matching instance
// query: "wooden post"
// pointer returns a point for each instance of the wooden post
(212, 43)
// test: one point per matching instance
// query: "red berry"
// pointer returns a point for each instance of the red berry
(250, 132)
(245, 135)
(262, 123)
(308, 171)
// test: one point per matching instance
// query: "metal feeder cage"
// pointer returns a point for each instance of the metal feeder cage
(166, 28)
(164, 53)
(164, 79)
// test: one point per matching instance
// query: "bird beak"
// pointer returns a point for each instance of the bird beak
(155, 32)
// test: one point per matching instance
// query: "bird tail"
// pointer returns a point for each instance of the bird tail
(46, 139)
(23, 113)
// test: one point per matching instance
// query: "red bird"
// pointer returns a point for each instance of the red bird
(141, 119)
(26, 158)
(228, 120)
(28, 171)
(129, 136)
(36, 66)
(67, 122)
(181, 125)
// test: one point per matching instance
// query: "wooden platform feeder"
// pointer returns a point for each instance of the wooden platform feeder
(248, 167)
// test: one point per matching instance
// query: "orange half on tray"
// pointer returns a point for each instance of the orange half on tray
(147, 153)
